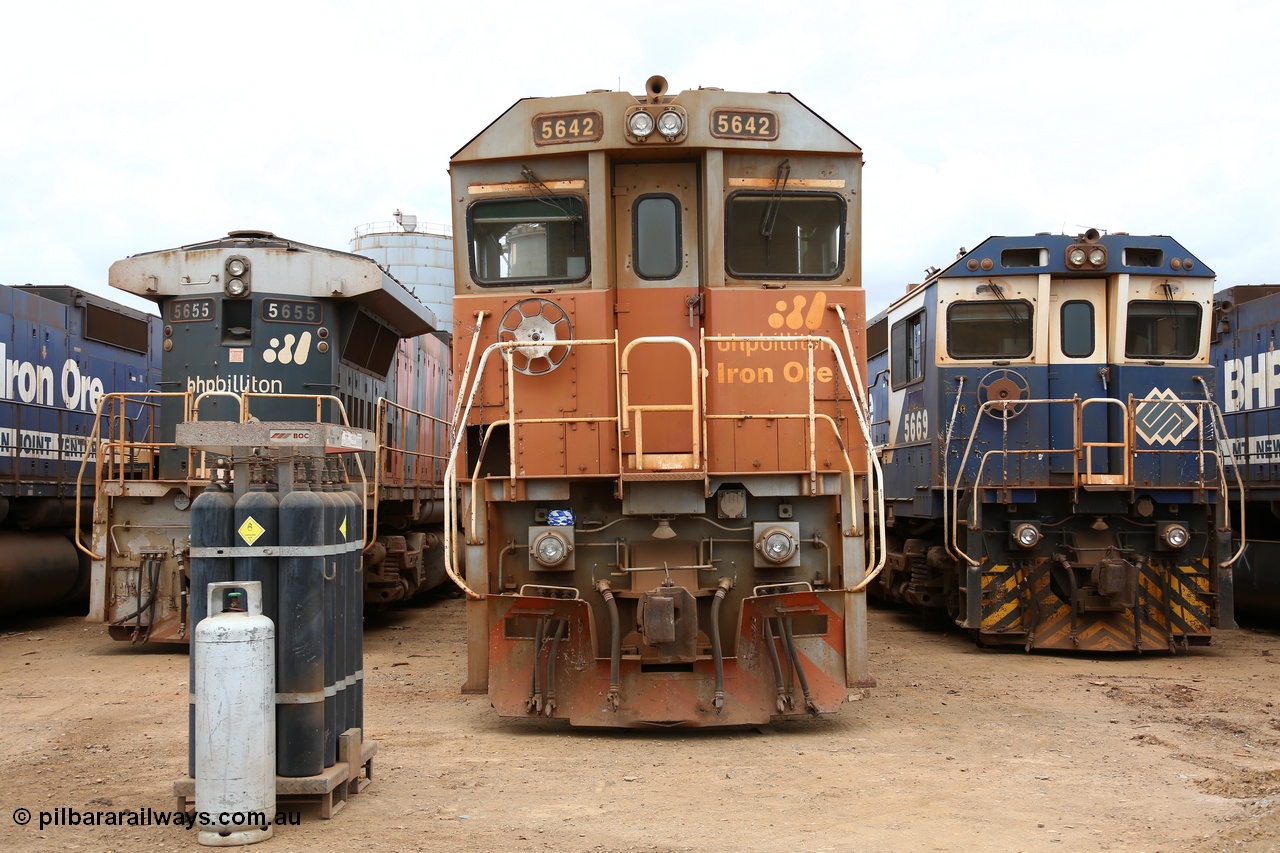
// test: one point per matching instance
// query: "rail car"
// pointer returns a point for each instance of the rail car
(60, 350)
(1044, 414)
(1246, 322)
(659, 435)
(264, 330)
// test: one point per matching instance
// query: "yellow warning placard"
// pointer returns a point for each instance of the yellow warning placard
(342, 528)
(251, 530)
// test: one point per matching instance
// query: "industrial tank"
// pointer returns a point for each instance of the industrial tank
(418, 254)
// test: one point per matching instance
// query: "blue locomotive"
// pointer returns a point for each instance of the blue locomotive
(61, 350)
(1247, 320)
(1044, 415)
(259, 329)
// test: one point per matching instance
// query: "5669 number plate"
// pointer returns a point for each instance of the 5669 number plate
(744, 124)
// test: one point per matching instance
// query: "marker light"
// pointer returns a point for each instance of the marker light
(1175, 535)
(1026, 535)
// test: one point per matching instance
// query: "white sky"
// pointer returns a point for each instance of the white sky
(127, 127)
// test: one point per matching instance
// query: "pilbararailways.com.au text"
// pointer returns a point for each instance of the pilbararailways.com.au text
(217, 822)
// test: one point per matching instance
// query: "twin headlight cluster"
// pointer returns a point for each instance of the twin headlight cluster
(237, 269)
(1170, 535)
(651, 123)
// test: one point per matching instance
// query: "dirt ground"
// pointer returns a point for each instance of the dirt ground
(956, 749)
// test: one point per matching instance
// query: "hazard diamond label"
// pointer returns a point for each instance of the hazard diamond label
(251, 530)
(342, 528)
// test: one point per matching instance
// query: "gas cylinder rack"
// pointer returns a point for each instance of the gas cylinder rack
(279, 510)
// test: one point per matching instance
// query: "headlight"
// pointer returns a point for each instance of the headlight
(669, 123)
(1097, 256)
(1026, 535)
(549, 548)
(237, 269)
(1076, 257)
(777, 545)
(1175, 535)
(641, 124)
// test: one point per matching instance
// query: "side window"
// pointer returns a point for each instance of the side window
(1162, 329)
(1077, 329)
(906, 351)
(989, 329)
(655, 237)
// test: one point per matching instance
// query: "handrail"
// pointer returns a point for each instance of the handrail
(105, 451)
(476, 364)
(451, 472)
(875, 497)
(693, 407)
(382, 422)
(1081, 449)
(1224, 440)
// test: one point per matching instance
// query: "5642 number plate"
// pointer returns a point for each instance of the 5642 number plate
(744, 124)
(557, 128)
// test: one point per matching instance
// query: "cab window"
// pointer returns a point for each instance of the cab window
(989, 329)
(656, 236)
(784, 235)
(1162, 329)
(1077, 329)
(516, 241)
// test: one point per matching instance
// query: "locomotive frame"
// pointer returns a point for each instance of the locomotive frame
(61, 349)
(258, 328)
(1051, 448)
(660, 448)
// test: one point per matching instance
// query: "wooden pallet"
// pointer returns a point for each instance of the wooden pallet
(330, 788)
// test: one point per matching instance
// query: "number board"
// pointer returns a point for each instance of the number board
(558, 128)
(292, 311)
(744, 124)
(190, 310)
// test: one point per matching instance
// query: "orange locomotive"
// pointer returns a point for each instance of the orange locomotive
(661, 442)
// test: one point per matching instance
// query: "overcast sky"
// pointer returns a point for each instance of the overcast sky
(127, 127)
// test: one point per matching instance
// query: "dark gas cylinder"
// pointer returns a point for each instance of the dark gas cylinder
(212, 526)
(300, 633)
(356, 648)
(257, 525)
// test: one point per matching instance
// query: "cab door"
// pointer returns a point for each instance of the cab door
(657, 279)
(1077, 367)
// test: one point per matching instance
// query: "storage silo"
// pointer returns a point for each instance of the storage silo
(418, 254)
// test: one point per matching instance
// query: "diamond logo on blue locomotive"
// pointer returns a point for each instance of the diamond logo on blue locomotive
(1166, 422)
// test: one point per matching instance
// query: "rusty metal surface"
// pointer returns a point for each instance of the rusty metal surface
(666, 696)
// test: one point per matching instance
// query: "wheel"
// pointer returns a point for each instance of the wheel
(540, 323)
(1007, 390)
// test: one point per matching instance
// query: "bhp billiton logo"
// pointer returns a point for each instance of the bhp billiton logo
(798, 317)
(289, 354)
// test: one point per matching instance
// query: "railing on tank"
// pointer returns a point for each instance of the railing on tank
(433, 229)
(1082, 473)
(628, 411)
